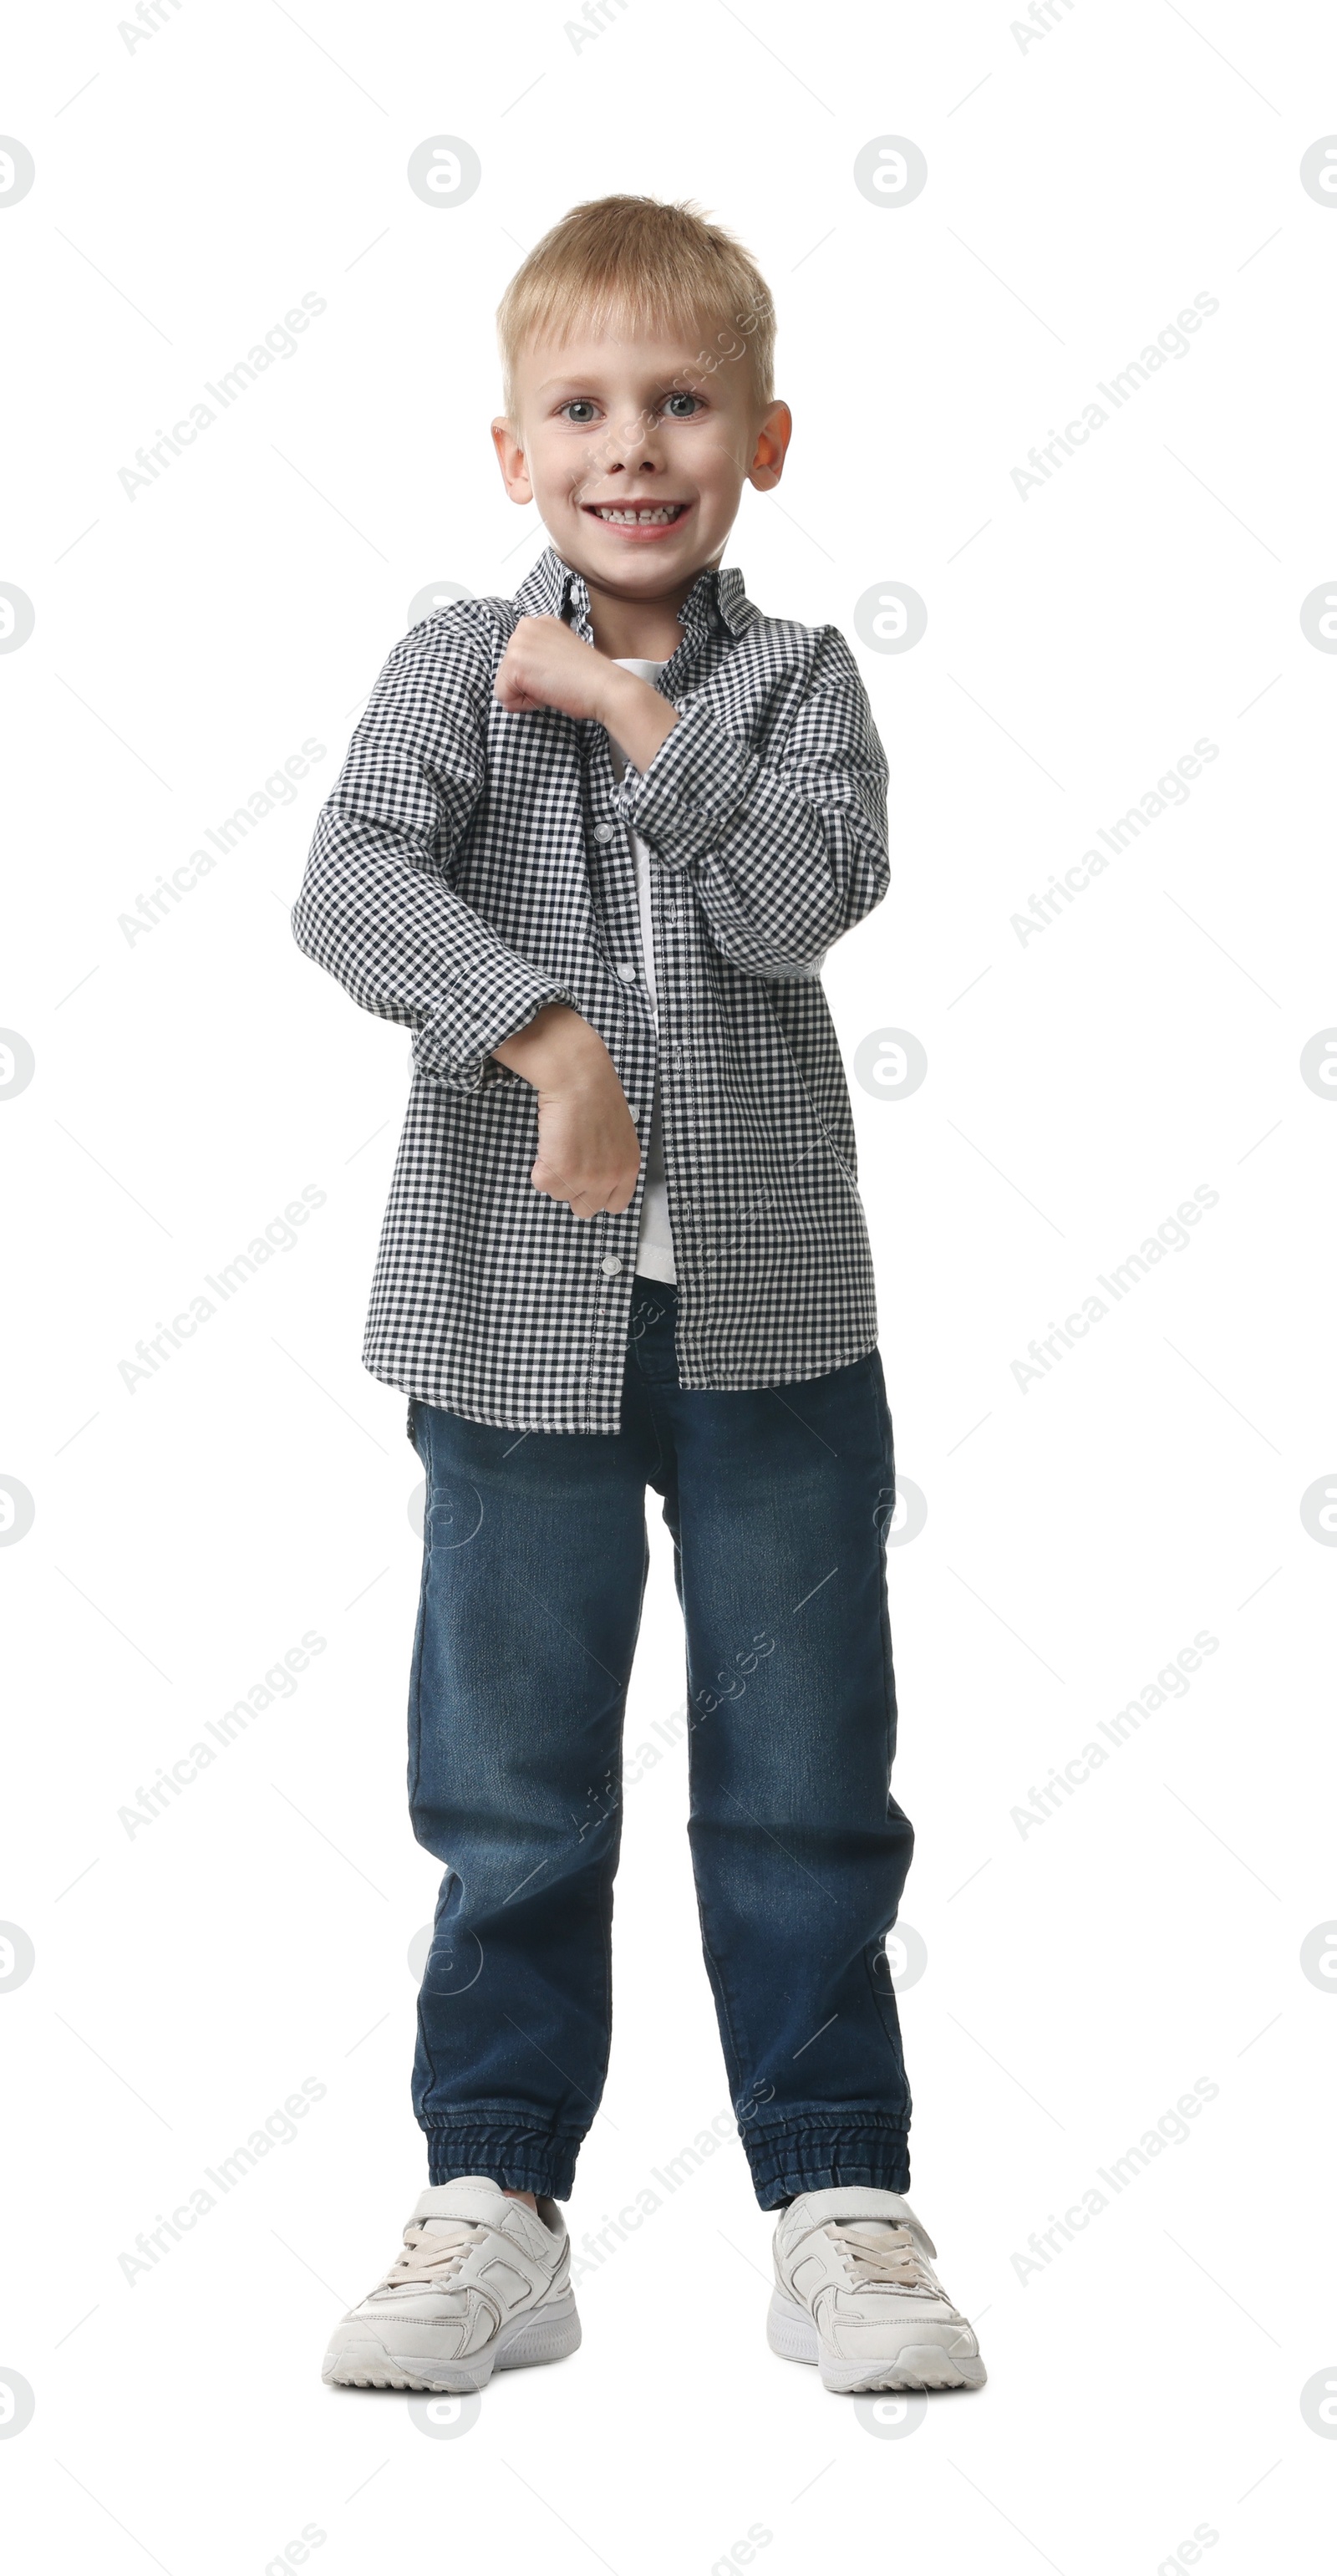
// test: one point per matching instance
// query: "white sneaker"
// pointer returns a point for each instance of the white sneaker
(482, 2285)
(854, 2293)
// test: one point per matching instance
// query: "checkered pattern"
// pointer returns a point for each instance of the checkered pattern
(472, 865)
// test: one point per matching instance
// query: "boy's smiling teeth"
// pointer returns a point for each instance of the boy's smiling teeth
(666, 511)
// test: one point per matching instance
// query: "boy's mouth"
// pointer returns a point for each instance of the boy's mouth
(644, 520)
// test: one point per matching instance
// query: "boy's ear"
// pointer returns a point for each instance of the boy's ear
(511, 459)
(768, 455)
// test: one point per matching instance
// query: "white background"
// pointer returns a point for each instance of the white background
(1082, 1976)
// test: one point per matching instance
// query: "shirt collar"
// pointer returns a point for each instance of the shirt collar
(717, 598)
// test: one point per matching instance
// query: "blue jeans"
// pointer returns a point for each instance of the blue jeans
(534, 1569)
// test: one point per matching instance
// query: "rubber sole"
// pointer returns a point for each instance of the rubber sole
(365, 2360)
(790, 2332)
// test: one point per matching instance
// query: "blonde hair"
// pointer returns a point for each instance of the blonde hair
(639, 263)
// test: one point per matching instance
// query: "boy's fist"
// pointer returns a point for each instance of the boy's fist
(546, 665)
(589, 1154)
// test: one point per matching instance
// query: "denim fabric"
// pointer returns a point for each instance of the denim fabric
(534, 1569)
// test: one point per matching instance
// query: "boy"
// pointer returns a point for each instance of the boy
(592, 845)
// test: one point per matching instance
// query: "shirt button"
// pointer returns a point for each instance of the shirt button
(611, 1264)
(603, 831)
(627, 973)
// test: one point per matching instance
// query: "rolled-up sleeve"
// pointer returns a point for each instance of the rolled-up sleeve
(376, 907)
(786, 854)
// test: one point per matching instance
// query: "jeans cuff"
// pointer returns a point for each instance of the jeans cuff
(539, 2160)
(813, 2153)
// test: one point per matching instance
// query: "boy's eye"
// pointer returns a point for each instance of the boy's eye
(580, 409)
(693, 399)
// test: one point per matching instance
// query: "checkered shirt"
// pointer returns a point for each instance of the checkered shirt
(472, 865)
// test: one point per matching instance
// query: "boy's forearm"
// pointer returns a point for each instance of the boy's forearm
(557, 1044)
(635, 714)
(785, 852)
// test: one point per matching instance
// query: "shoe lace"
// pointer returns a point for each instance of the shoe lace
(882, 2256)
(432, 2255)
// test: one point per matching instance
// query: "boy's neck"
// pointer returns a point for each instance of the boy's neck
(637, 630)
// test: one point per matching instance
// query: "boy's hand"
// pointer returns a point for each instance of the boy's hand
(546, 665)
(589, 1154)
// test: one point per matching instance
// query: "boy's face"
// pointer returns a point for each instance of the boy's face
(639, 428)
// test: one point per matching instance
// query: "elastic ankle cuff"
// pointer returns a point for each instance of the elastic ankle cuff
(814, 2154)
(539, 2160)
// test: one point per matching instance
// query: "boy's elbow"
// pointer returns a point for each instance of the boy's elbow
(773, 967)
(314, 914)
(876, 884)
(861, 863)
(300, 921)
(860, 878)
(305, 918)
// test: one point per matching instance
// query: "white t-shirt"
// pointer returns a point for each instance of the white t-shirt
(654, 1243)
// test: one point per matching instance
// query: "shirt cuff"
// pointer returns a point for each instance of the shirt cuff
(454, 1045)
(684, 802)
